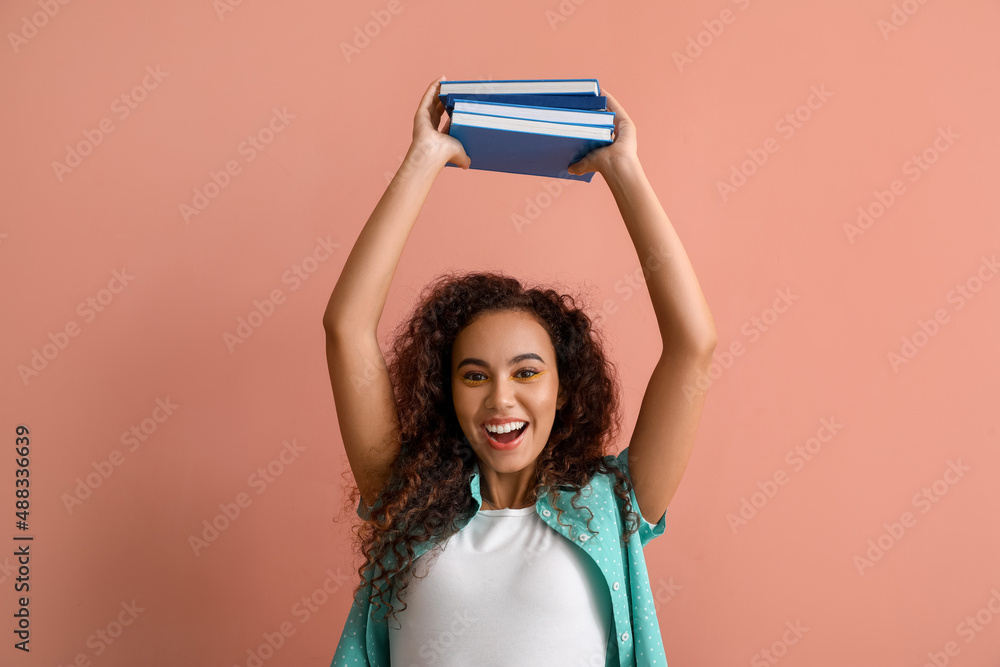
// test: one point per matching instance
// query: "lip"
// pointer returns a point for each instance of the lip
(510, 445)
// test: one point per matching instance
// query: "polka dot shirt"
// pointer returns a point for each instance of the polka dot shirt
(636, 636)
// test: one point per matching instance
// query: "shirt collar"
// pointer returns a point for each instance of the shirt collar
(542, 502)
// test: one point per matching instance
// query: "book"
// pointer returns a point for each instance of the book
(526, 138)
(524, 87)
(531, 112)
(586, 102)
(521, 146)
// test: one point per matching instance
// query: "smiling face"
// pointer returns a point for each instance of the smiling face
(503, 369)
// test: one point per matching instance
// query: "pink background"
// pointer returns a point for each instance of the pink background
(725, 590)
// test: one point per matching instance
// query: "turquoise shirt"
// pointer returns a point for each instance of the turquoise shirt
(635, 633)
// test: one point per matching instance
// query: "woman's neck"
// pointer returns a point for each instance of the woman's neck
(507, 490)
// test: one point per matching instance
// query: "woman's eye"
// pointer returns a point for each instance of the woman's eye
(476, 378)
(471, 379)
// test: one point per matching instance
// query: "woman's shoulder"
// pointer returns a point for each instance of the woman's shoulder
(603, 481)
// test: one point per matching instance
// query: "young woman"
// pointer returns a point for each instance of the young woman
(497, 530)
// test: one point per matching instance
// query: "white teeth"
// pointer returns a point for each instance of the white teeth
(506, 428)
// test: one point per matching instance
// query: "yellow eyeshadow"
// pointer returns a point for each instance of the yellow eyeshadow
(532, 377)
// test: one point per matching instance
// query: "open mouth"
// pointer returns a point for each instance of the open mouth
(507, 440)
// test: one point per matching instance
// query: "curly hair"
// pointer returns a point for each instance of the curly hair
(428, 484)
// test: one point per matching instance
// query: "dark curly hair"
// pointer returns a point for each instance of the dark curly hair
(428, 485)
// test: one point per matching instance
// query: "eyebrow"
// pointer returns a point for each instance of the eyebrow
(480, 362)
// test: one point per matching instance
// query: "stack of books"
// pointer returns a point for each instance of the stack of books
(532, 126)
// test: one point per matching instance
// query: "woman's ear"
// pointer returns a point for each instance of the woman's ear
(561, 399)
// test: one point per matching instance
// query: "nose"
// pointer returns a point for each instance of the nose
(501, 395)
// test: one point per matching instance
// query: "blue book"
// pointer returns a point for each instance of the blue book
(536, 112)
(587, 102)
(524, 87)
(521, 146)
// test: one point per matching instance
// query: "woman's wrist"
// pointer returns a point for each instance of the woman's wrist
(620, 168)
(424, 156)
(419, 169)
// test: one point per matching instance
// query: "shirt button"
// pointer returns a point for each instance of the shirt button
(615, 586)
(584, 537)
(546, 513)
(624, 636)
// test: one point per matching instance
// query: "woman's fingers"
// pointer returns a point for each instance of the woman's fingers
(621, 118)
(447, 121)
(437, 110)
(613, 104)
(462, 160)
(425, 109)
(584, 165)
(431, 93)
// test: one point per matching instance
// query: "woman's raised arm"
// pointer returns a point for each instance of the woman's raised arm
(366, 407)
(668, 418)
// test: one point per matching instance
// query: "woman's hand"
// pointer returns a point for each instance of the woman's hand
(430, 142)
(605, 158)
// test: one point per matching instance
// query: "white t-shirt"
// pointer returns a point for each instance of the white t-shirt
(498, 593)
